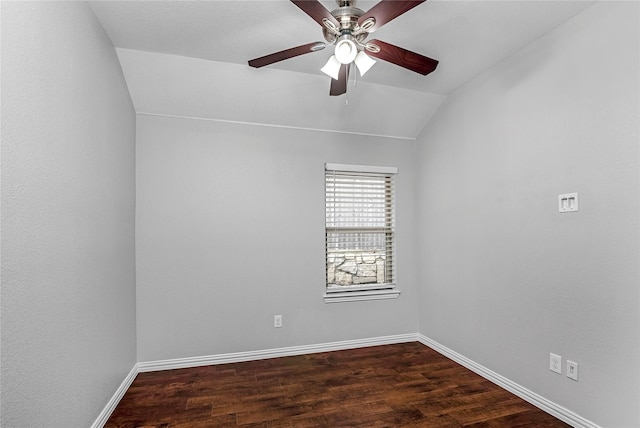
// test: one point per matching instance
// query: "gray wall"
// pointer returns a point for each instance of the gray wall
(230, 231)
(505, 278)
(68, 275)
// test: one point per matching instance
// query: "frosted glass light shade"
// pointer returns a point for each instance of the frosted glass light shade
(332, 67)
(346, 51)
(364, 62)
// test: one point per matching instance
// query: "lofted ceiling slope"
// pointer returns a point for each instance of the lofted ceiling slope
(189, 58)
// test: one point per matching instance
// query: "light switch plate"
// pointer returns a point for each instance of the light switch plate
(568, 202)
(572, 370)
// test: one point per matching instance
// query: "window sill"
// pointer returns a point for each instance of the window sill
(354, 296)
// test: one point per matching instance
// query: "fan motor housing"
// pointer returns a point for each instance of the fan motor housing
(347, 15)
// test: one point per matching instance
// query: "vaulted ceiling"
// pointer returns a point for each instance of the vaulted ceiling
(189, 58)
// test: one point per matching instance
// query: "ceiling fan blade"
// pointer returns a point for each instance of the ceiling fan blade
(339, 87)
(286, 54)
(385, 11)
(317, 11)
(402, 57)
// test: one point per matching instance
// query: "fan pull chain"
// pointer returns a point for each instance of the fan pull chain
(355, 76)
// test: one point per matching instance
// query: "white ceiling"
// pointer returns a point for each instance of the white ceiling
(467, 37)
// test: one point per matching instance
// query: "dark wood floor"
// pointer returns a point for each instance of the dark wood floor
(403, 385)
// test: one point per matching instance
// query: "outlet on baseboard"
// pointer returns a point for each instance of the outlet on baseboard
(555, 363)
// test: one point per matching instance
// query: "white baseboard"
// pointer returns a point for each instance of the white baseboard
(236, 357)
(113, 402)
(178, 363)
(548, 406)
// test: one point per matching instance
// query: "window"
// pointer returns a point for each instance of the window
(359, 232)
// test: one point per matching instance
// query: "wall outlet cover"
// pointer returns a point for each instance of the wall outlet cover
(555, 363)
(277, 321)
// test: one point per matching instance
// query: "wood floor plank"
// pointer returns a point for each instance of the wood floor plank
(403, 385)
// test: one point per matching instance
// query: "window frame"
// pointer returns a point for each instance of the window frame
(373, 291)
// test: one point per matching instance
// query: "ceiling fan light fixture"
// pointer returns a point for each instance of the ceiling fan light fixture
(332, 68)
(364, 62)
(346, 50)
(347, 29)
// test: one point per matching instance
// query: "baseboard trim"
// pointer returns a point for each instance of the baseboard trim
(113, 402)
(236, 357)
(548, 406)
(181, 363)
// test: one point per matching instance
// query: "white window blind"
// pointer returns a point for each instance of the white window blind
(359, 230)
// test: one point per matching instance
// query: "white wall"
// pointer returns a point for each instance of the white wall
(68, 274)
(505, 278)
(230, 231)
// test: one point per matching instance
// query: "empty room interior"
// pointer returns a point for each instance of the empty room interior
(165, 201)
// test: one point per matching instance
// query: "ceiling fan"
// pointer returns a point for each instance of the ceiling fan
(348, 27)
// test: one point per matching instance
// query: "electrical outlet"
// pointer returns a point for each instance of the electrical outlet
(277, 321)
(555, 363)
(572, 370)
